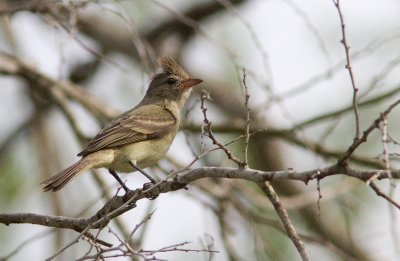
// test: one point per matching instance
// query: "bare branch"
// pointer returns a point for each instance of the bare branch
(210, 134)
(383, 195)
(247, 132)
(283, 215)
(349, 68)
(121, 204)
(363, 138)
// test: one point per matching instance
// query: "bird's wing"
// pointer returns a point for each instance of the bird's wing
(139, 124)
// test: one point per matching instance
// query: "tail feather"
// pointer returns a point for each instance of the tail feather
(59, 180)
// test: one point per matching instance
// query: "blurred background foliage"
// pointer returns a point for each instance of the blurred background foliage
(300, 94)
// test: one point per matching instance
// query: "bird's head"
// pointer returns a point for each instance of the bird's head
(173, 84)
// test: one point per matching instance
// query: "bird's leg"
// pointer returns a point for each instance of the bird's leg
(142, 171)
(112, 172)
(153, 194)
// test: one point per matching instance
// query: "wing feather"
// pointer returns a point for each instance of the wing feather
(139, 124)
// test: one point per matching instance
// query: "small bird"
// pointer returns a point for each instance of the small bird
(138, 138)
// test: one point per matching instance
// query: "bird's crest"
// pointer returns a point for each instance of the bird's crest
(170, 66)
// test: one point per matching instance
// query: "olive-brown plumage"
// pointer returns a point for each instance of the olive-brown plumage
(140, 136)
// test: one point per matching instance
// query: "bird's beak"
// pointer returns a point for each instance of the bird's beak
(189, 83)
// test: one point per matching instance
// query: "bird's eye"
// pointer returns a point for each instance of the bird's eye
(171, 80)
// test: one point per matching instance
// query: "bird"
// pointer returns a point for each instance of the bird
(139, 137)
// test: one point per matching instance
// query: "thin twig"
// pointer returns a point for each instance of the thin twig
(383, 195)
(349, 68)
(141, 223)
(313, 81)
(283, 215)
(210, 134)
(357, 142)
(366, 104)
(255, 40)
(204, 153)
(384, 139)
(246, 105)
(393, 220)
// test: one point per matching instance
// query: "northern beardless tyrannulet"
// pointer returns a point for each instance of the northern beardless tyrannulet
(141, 136)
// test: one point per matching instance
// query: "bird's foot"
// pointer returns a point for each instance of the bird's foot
(152, 194)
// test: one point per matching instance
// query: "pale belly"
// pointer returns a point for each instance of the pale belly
(144, 154)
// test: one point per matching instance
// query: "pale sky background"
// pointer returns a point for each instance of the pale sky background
(294, 56)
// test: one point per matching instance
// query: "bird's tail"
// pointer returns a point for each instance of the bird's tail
(59, 180)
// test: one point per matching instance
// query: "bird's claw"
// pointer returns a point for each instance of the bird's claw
(153, 194)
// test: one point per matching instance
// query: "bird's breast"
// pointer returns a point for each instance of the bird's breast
(144, 154)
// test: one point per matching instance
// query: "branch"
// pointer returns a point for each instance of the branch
(326, 116)
(290, 137)
(207, 125)
(283, 215)
(349, 68)
(128, 201)
(359, 141)
(246, 105)
(383, 195)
